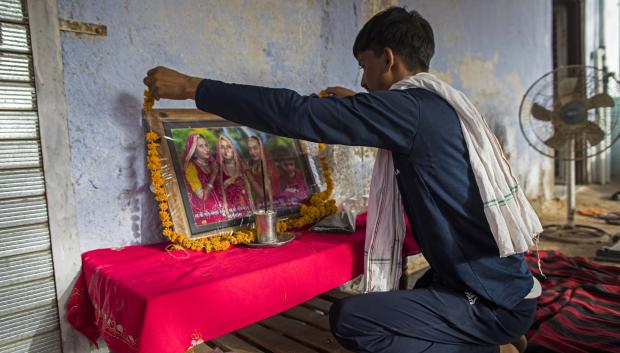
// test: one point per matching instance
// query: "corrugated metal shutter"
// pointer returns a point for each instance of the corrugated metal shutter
(28, 305)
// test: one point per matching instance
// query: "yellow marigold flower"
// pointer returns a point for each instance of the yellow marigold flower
(281, 227)
(161, 198)
(152, 136)
(149, 101)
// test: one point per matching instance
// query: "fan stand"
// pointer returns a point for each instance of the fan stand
(571, 232)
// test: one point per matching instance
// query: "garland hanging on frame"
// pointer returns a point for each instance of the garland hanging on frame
(320, 204)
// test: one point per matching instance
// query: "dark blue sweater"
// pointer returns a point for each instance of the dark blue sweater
(435, 177)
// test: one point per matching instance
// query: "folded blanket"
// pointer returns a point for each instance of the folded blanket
(579, 309)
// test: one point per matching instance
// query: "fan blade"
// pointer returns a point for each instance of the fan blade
(557, 141)
(541, 113)
(601, 100)
(593, 133)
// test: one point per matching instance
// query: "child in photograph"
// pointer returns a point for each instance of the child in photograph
(293, 184)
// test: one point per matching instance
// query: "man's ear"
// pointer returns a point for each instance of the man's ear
(389, 59)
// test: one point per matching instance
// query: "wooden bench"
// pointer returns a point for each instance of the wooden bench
(302, 329)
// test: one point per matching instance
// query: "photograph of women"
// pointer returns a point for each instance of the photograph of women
(226, 173)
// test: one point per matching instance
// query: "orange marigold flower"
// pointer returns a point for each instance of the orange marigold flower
(154, 159)
(152, 136)
(149, 101)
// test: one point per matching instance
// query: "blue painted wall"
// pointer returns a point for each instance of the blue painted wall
(492, 49)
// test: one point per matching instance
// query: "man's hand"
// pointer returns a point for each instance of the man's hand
(339, 92)
(167, 83)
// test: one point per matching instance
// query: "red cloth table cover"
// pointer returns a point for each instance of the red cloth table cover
(142, 299)
(145, 299)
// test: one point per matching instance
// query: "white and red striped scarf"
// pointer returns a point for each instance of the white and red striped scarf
(385, 229)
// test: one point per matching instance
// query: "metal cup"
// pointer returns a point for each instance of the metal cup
(265, 226)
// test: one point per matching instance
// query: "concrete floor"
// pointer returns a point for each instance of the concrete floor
(591, 196)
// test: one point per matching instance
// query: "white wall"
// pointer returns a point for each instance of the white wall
(611, 35)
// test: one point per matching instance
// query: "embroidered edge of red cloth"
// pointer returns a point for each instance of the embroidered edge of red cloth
(220, 292)
(579, 309)
(80, 311)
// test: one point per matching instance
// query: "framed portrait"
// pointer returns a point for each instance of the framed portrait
(218, 173)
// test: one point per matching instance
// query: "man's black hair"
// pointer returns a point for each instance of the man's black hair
(407, 33)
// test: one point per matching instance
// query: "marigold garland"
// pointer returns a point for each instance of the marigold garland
(149, 101)
(320, 204)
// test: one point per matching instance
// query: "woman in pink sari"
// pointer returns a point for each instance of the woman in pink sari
(234, 186)
(200, 172)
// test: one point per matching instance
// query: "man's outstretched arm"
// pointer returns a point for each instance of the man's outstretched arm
(385, 119)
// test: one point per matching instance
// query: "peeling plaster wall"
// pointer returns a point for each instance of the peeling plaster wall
(491, 49)
(303, 45)
(494, 50)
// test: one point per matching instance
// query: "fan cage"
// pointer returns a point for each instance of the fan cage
(546, 91)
